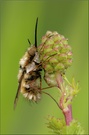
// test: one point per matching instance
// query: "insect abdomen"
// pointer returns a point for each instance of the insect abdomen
(30, 87)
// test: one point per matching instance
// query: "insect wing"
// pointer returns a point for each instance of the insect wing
(18, 90)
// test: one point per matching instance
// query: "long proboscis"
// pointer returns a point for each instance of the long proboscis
(36, 32)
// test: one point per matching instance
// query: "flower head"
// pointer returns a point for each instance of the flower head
(55, 55)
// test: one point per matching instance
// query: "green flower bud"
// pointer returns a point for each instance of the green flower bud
(59, 67)
(53, 60)
(48, 67)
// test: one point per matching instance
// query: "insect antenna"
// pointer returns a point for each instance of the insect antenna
(29, 41)
(36, 32)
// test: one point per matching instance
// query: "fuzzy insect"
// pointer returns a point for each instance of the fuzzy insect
(29, 76)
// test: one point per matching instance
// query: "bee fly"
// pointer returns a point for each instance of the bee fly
(29, 76)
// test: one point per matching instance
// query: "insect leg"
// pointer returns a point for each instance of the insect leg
(49, 57)
(40, 82)
(48, 87)
(52, 98)
(40, 64)
(45, 42)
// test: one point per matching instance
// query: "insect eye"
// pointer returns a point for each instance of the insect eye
(32, 77)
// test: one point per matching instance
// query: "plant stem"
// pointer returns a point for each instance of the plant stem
(68, 115)
(67, 111)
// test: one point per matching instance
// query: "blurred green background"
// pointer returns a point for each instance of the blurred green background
(69, 18)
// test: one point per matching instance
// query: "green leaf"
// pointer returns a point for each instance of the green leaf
(58, 126)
